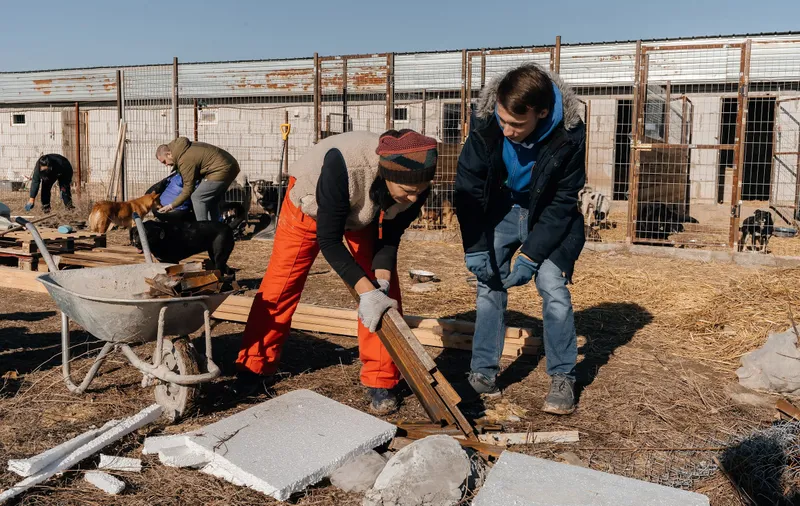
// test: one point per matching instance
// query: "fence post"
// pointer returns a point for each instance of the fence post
(469, 94)
(633, 168)
(389, 91)
(463, 125)
(587, 126)
(122, 184)
(424, 110)
(668, 112)
(344, 96)
(194, 115)
(483, 68)
(557, 56)
(317, 98)
(738, 150)
(175, 117)
(78, 177)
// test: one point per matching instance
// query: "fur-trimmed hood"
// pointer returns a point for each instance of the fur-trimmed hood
(571, 104)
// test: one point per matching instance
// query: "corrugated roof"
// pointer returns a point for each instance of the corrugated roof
(774, 57)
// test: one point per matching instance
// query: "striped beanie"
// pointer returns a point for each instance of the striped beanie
(407, 157)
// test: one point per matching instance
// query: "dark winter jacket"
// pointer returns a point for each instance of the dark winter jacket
(555, 224)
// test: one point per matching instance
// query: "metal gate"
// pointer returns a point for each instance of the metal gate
(676, 144)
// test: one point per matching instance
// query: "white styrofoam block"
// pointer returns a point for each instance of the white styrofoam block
(114, 463)
(105, 482)
(153, 445)
(142, 418)
(30, 466)
(522, 480)
(181, 456)
(259, 447)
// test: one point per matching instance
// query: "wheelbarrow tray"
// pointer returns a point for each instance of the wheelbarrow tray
(101, 300)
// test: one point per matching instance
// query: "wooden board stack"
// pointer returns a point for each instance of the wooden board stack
(440, 333)
(184, 280)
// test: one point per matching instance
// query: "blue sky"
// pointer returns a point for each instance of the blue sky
(45, 34)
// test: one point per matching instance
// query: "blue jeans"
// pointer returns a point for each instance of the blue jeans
(560, 340)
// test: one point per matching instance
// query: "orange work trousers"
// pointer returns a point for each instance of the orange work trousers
(268, 325)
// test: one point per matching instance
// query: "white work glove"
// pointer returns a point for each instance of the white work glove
(371, 307)
(383, 285)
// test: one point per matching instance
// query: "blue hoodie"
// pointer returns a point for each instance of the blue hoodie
(520, 157)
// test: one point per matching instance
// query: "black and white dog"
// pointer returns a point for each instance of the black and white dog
(173, 242)
(759, 227)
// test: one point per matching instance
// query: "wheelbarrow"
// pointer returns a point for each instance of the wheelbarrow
(101, 300)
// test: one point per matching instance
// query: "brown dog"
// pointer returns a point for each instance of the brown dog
(107, 213)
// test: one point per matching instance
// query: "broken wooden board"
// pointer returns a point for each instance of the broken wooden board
(421, 373)
(527, 438)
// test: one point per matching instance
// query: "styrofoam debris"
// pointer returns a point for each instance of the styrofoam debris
(258, 447)
(144, 417)
(105, 482)
(522, 479)
(182, 457)
(156, 444)
(114, 463)
(30, 466)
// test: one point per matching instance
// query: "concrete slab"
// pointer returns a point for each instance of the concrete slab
(144, 417)
(105, 482)
(114, 463)
(521, 480)
(30, 466)
(259, 447)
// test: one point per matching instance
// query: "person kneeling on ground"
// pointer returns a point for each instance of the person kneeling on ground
(50, 169)
(363, 188)
(169, 189)
(517, 186)
(197, 162)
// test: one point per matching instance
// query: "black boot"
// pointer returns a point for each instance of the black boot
(382, 401)
(248, 384)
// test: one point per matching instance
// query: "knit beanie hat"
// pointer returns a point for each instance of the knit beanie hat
(407, 157)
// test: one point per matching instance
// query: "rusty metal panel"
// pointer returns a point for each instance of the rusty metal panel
(58, 86)
(247, 79)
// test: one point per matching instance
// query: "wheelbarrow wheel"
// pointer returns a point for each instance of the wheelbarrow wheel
(177, 400)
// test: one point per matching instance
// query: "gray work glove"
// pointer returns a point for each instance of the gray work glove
(371, 307)
(383, 285)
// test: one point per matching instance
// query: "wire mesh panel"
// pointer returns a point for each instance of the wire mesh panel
(771, 161)
(147, 96)
(678, 144)
(602, 77)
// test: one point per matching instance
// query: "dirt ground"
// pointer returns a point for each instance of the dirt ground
(658, 393)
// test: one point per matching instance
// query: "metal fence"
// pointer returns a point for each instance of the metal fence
(685, 140)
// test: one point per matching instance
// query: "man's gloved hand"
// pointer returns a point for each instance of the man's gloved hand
(523, 271)
(480, 264)
(29, 206)
(383, 285)
(371, 307)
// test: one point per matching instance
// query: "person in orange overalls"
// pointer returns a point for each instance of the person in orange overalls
(364, 188)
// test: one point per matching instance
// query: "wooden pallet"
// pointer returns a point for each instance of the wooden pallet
(21, 249)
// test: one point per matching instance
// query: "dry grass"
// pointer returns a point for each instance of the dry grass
(663, 338)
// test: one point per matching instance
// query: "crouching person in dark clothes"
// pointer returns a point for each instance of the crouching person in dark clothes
(517, 186)
(357, 187)
(49, 170)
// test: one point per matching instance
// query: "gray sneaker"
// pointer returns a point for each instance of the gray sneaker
(484, 386)
(561, 398)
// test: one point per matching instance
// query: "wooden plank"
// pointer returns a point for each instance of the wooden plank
(527, 438)
(788, 409)
(11, 277)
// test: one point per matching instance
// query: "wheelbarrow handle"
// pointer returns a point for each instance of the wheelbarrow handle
(148, 258)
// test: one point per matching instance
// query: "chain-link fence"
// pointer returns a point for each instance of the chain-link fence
(685, 140)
